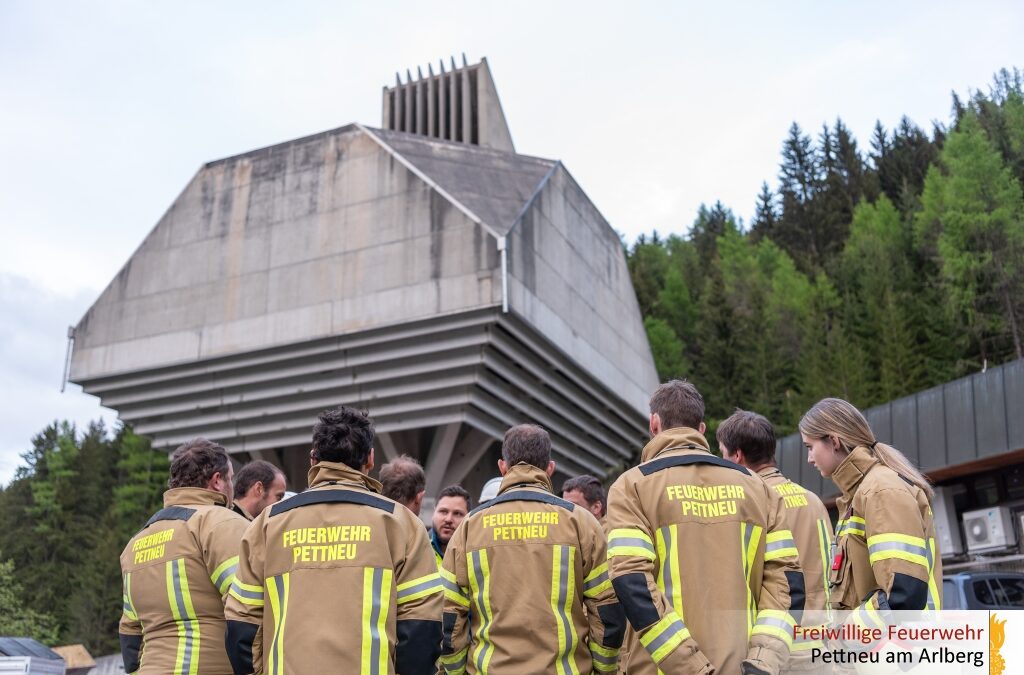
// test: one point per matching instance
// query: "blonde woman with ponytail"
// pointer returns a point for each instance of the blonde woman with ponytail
(885, 553)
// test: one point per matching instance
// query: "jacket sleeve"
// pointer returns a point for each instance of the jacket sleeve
(631, 560)
(607, 621)
(899, 554)
(455, 619)
(221, 545)
(419, 592)
(129, 629)
(781, 597)
(244, 605)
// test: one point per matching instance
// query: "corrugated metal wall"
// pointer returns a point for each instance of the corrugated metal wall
(975, 417)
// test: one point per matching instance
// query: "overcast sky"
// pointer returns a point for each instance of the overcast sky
(107, 109)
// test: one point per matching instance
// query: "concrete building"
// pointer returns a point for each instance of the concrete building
(424, 271)
(967, 435)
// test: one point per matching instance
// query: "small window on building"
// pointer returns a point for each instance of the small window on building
(1013, 591)
(982, 592)
(986, 490)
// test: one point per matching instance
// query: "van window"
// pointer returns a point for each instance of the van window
(950, 598)
(982, 592)
(1012, 593)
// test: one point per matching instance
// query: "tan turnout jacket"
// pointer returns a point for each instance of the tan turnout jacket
(806, 517)
(885, 540)
(517, 574)
(702, 562)
(336, 579)
(176, 572)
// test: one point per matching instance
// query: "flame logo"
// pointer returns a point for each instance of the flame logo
(996, 638)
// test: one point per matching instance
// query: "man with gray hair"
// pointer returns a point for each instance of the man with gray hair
(404, 481)
(528, 558)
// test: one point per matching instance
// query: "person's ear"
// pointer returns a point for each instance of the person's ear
(369, 461)
(260, 488)
(312, 458)
(551, 468)
(702, 427)
(654, 425)
(502, 467)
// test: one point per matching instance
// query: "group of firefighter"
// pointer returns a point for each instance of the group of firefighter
(701, 564)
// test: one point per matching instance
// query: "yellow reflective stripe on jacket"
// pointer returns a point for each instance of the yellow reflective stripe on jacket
(605, 659)
(480, 585)
(669, 580)
(247, 594)
(779, 544)
(934, 597)
(630, 542)
(597, 582)
(419, 588)
(126, 598)
(277, 589)
(750, 539)
(455, 664)
(224, 574)
(852, 525)
(663, 637)
(824, 545)
(900, 546)
(452, 590)
(376, 601)
(563, 585)
(775, 623)
(187, 659)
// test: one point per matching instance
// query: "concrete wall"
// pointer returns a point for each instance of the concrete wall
(568, 277)
(316, 237)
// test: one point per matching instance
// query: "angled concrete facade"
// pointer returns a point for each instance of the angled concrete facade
(449, 288)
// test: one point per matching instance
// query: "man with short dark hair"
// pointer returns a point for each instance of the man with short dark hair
(698, 553)
(749, 440)
(337, 555)
(528, 558)
(178, 569)
(586, 491)
(451, 507)
(404, 481)
(258, 484)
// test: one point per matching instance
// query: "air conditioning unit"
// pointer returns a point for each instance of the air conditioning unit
(947, 530)
(989, 529)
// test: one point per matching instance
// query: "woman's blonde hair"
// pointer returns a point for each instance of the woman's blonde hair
(836, 417)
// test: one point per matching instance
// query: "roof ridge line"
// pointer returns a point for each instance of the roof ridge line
(536, 192)
(428, 180)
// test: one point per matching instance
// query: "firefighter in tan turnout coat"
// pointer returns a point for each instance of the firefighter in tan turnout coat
(178, 568)
(519, 571)
(748, 439)
(336, 579)
(699, 554)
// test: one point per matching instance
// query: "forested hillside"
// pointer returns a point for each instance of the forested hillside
(866, 273)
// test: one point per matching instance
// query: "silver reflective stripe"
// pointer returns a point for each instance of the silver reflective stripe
(596, 581)
(563, 591)
(673, 629)
(378, 582)
(898, 546)
(426, 585)
(601, 658)
(278, 588)
(666, 566)
(779, 545)
(252, 595)
(457, 666)
(630, 541)
(485, 618)
(748, 532)
(179, 599)
(771, 621)
(225, 575)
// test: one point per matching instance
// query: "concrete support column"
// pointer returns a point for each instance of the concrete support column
(467, 112)
(386, 448)
(440, 455)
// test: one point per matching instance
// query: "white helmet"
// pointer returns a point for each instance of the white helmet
(490, 490)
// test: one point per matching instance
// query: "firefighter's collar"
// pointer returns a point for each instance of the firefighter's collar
(677, 438)
(193, 496)
(853, 468)
(769, 471)
(336, 472)
(525, 475)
